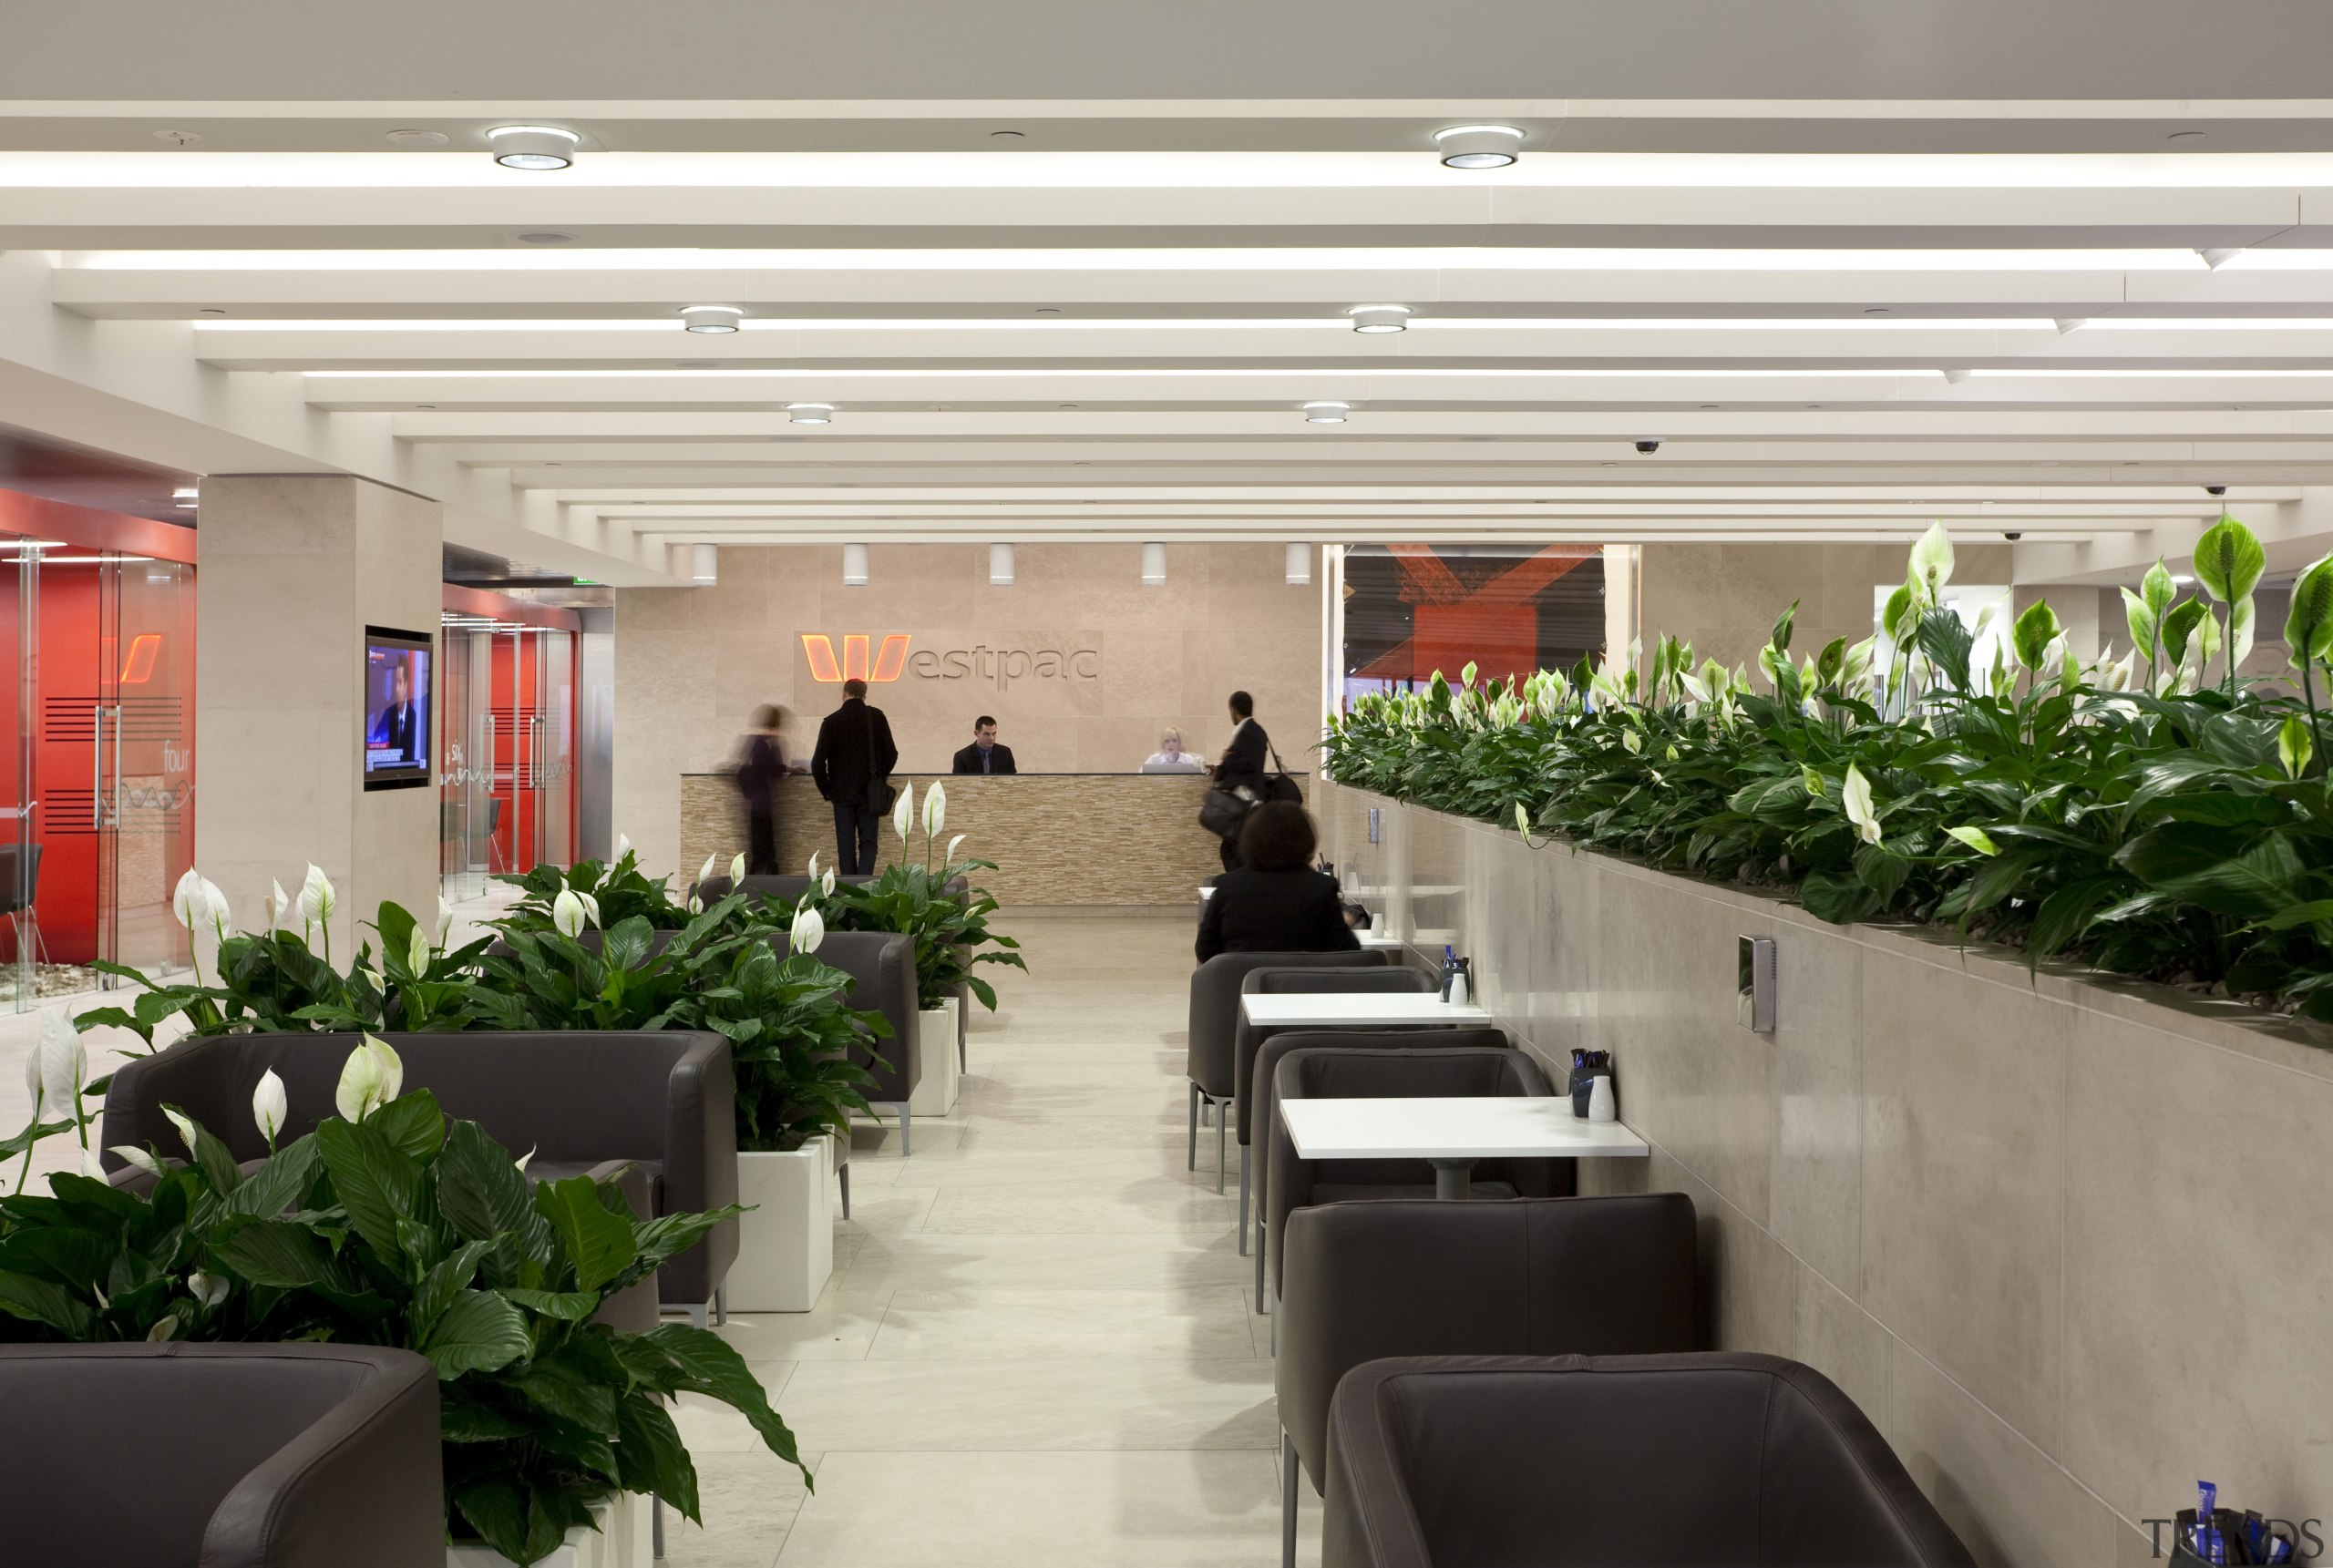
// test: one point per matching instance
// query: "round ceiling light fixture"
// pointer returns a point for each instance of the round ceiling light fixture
(545, 237)
(711, 318)
(417, 138)
(179, 138)
(1479, 146)
(809, 414)
(1380, 318)
(1326, 413)
(534, 148)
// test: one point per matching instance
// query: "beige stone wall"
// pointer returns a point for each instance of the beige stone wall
(2060, 1237)
(693, 663)
(1116, 841)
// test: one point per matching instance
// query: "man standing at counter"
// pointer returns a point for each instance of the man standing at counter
(984, 756)
(852, 768)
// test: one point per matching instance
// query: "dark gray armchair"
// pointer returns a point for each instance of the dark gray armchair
(1256, 1101)
(260, 1456)
(1541, 1276)
(1214, 1023)
(1247, 1039)
(881, 967)
(1393, 1074)
(1660, 1462)
(586, 1102)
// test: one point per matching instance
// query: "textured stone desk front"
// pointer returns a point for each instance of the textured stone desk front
(1105, 839)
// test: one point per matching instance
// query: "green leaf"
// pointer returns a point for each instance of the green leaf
(599, 1243)
(1946, 639)
(290, 1257)
(1832, 660)
(2210, 865)
(1975, 838)
(64, 1254)
(412, 1124)
(482, 1193)
(375, 1182)
(2229, 560)
(2141, 620)
(1783, 623)
(281, 1182)
(2157, 589)
(713, 1366)
(1900, 618)
(567, 1305)
(2179, 626)
(501, 1513)
(441, 1284)
(46, 1302)
(653, 1458)
(2308, 629)
(2033, 633)
(477, 1332)
(2295, 745)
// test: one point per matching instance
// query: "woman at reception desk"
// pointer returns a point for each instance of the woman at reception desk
(1114, 841)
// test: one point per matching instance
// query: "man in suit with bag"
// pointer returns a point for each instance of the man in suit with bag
(1242, 767)
(852, 767)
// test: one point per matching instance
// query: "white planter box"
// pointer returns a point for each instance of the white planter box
(622, 1541)
(935, 1046)
(785, 1242)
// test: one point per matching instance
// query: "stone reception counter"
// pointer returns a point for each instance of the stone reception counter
(1099, 840)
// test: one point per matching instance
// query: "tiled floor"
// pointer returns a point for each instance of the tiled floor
(1038, 1347)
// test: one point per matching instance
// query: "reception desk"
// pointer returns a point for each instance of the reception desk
(1095, 840)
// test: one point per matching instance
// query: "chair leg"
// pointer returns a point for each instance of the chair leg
(699, 1313)
(1287, 1502)
(1192, 1164)
(843, 1176)
(1260, 1252)
(1243, 1200)
(1274, 1299)
(906, 1132)
(1218, 1149)
(656, 1527)
(721, 1304)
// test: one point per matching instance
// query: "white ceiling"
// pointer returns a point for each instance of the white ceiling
(1847, 265)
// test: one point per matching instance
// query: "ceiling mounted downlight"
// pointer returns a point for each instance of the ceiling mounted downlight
(809, 414)
(1326, 413)
(1380, 318)
(535, 148)
(711, 318)
(1479, 146)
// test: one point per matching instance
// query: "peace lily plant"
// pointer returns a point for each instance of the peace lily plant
(2157, 813)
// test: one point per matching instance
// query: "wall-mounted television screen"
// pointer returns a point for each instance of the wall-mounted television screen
(397, 709)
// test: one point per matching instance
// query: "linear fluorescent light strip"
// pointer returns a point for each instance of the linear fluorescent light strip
(1215, 324)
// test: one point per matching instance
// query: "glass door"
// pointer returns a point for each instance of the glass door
(19, 848)
(554, 746)
(142, 755)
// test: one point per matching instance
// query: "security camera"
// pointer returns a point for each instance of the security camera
(2216, 490)
(2012, 535)
(1649, 445)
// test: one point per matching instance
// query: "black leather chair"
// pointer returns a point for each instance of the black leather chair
(586, 1102)
(1214, 1024)
(259, 1455)
(1247, 1039)
(1541, 1276)
(1257, 1099)
(881, 966)
(1393, 1074)
(1578, 1461)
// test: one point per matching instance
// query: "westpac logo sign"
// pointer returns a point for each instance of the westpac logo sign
(888, 660)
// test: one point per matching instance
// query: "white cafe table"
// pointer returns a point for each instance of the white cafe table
(1354, 1010)
(1382, 939)
(1451, 1132)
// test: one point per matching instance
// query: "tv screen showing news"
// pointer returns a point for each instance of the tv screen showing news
(397, 709)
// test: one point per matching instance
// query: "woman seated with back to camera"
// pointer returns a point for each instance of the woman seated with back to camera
(1274, 902)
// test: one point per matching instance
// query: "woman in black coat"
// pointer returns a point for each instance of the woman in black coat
(1274, 902)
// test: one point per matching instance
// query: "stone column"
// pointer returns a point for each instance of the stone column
(292, 569)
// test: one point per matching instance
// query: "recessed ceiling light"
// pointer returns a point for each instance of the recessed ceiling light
(179, 138)
(2187, 136)
(1380, 318)
(534, 148)
(1048, 310)
(809, 414)
(545, 237)
(697, 364)
(1008, 135)
(210, 311)
(1068, 405)
(1876, 310)
(1479, 146)
(2215, 256)
(417, 137)
(711, 318)
(424, 405)
(2071, 323)
(1326, 413)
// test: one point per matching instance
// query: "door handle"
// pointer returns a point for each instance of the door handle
(97, 768)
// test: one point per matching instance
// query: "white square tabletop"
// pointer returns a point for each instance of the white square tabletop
(1465, 1127)
(1355, 1009)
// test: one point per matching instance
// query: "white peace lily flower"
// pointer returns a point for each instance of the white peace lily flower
(935, 809)
(184, 1123)
(369, 1078)
(317, 900)
(813, 865)
(704, 872)
(58, 1065)
(268, 1105)
(736, 871)
(826, 882)
(417, 957)
(91, 1166)
(139, 1159)
(279, 902)
(591, 907)
(809, 929)
(903, 814)
(623, 845)
(1855, 794)
(696, 905)
(217, 911)
(953, 844)
(380, 983)
(567, 914)
(188, 903)
(164, 1329)
(520, 1162)
(207, 1288)
(444, 921)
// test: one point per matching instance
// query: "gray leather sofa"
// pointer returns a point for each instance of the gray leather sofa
(1593, 1276)
(1579, 1462)
(1257, 1098)
(1247, 1039)
(584, 1102)
(1393, 1074)
(881, 967)
(1214, 1025)
(253, 1455)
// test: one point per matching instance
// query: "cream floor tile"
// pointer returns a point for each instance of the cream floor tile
(1143, 1260)
(1146, 1133)
(840, 1328)
(1158, 1203)
(708, 1427)
(748, 1502)
(975, 1165)
(874, 1143)
(1033, 1404)
(1147, 1510)
(1208, 1323)
(887, 1209)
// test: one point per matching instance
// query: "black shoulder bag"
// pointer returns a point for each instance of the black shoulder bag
(880, 791)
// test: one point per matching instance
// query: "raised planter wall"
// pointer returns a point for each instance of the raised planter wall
(2068, 1240)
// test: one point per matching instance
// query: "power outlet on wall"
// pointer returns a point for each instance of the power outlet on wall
(1753, 961)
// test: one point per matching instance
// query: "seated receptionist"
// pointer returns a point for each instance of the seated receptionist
(984, 756)
(1273, 901)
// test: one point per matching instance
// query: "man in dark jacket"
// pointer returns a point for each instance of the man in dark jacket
(984, 756)
(1242, 766)
(853, 753)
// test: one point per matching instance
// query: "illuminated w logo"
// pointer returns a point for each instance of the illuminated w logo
(820, 647)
